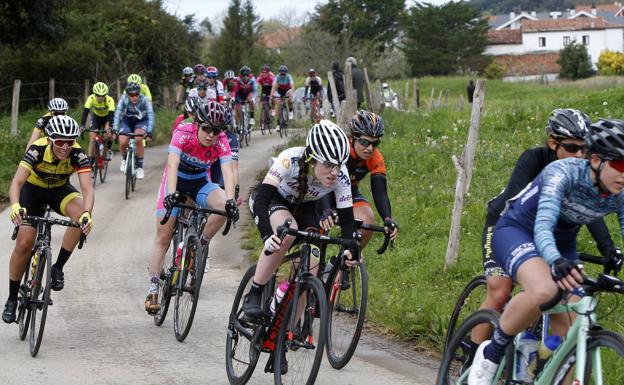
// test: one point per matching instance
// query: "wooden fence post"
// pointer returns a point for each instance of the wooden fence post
(368, 94)
(118, 89)
(460, 106)
(15, 105)
(406, 94)
(166, 98)
(87, 90)
(334, 91)
(463, 166)
(416, 94)
(347, 109)
(432, 95)
(439, 103)
(51, 89)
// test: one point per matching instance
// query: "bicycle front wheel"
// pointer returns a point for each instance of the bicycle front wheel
(103, 170)
(468, 302)
(39, 300)
(188, 286)
(165, 288)
(299, 352)
(604, 361)
(347, 310)
(23, 309)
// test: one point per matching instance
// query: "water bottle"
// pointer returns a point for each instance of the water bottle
(526, 353)
(282, 288)
(101, 148)
(176, 263)
(544, 351)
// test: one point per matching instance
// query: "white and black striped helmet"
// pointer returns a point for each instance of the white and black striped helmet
(326, 142)
(57, 105)
(62, 126)
(606, 139)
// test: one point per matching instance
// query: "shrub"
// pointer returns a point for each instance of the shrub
(574, 62)
(494, 71)
(611, 63)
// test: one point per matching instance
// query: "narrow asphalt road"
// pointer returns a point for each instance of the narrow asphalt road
(98, 333)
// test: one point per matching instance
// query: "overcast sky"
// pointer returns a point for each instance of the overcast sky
(217, 9)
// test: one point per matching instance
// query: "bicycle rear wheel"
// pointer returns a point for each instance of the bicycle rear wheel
(468, 302)
(284, 121)
(103, 170)
(300, 351)
(602, 345)
(264, 124)
(347, 310)
(23, 309)
(188, 286)
(242, 343)
(240, 130)
(459, 354)
(39, 300)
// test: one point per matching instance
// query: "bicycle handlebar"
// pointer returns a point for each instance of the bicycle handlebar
(379, 229)
(53, 221)
(228, 224)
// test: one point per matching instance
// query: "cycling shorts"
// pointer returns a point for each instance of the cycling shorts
(282, 93)
(491, 268)
(32, 198)
(358, 199)
(242, 96)
(513, 245)
(304, 213)
(129, 124)
(197, 189)
(98, 122)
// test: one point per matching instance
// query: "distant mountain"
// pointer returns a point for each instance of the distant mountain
(495, 7)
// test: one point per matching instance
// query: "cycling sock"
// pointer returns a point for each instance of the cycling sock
(13, 289)
(92, 160)
(256, 288)
(63, 256)
(139, 162)
(496, 349)
(153, 286)
(204, 240)
(124, 156)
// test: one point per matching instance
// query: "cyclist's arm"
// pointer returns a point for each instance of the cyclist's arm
(150, 116)
(111, 116)
(119, 111)
(600, 232)
(344, 203)
(85, 114)
(173, 162)
(36, 134)
(379, 190)
(86, 187)
(19, 179)
(526, 169)
(255, 87)
(229, 181)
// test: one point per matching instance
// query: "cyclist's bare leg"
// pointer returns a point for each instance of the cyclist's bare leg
(252, 104)
(139, 142)
(277, 104)
(498, 293)
(91, 143)
(216, 200)
(123, 144)
(365, 213)
(19, 257)
(237, 112)
(73, 209)
(164, 233)
(267, 264)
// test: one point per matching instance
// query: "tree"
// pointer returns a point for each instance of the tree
(575, 62)
(440, 40)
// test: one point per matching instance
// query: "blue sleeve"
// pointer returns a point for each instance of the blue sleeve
(556, 181)
(255, 87)
(119, 111)
(150, 115)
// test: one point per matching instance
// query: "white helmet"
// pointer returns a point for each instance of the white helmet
(62, 126)
(384, 85)
(57, 105)
(326, 142)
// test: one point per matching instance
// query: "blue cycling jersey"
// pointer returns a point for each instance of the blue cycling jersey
(139, 110)
(560, 199)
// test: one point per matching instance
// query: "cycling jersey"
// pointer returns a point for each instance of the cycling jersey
(554, 205)
(216, 176)
(210, 96)
(42, 122)
(49, 172)
(142, 109)
(266, 82)
(358, 168)
(243, 89)
(180, 119)
(284, 82)
(104, 109)
(313, 85)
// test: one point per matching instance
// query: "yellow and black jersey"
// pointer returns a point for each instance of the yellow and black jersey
(42, 122)
(48, 172)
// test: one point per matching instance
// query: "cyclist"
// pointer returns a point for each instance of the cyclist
(566, 130)
(245, 90)
(367, 128)
(42, 177)
(56, 106)
(229, 81)
(298, 177)
(199, 74)
(102, 107)
(202, 92)
(193, 148)
(535, 238)
(145, 91)
(283, 87)
(314, 89)
(185, 85)
(212, 74)
(190, 106)
(265, 80)
(134, 113)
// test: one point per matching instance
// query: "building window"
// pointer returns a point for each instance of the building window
(566, 40)
(585, 39)
(542, 41)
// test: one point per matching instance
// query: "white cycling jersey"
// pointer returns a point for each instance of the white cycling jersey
(285, 171)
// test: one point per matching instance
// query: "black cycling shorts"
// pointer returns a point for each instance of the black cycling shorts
(491, 268)
(305, 213)
(98, 122)
(33, 198)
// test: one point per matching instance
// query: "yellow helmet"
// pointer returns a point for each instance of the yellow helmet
(135, 78)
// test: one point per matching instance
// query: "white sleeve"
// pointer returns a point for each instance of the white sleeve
(342, 190)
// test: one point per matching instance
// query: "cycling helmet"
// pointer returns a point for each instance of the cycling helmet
(229, 74)
(100, 89)
(187, 71)
(133, 88)
(245, 71)
(326, 142)
(212, 72)
(227, 116)
(311, 72)
(367, 123)
(213, 113)
(134, 78)
(201, 85)
(283, 68)
(568, 123)
(199, 69)
(606, 139)
(57, 105)
(62, 126)
(191, 104)
(265, 68)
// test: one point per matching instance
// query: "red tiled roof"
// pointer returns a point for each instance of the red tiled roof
(280, 38)
(567, 24)
(505, 36)
(600, 7)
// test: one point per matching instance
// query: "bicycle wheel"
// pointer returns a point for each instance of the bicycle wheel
(241, 134)
(188, 286)
(604, 345)
(133, 171)
(165, 289)
(347, 310)
(23, 310)
(302, 348)
(241, 352)
(103, 169)
(39, 300)
(468, 302)
(265, 120)
(459, 354)
(94, 170)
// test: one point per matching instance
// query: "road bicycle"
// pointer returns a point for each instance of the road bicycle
(34, 292)
(244, 127)
(131, 156)
(588, 354)
(315, 112)
(182, 274)
(101, 157)
(266, 121)
(283, 124)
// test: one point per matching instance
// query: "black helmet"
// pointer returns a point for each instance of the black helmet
(191, 104)
(606, 139)
(245, 71)
(568, 123)
(367, 123)
(133, 88)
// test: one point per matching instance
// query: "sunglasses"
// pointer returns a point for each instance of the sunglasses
(63, 143)
(331, 166)
(572, 148)
(375, 143)
(210, 129)
(133, 95)
(617, 164)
